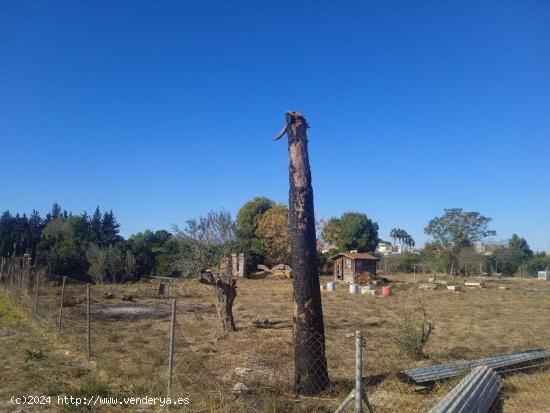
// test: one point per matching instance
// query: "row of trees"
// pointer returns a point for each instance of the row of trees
(459, 247)
(502, 259)
(80, 245)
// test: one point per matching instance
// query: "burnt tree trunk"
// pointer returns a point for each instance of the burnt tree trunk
(226, 292)
(310, 364)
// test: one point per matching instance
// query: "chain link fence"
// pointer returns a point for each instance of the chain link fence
(252, 369)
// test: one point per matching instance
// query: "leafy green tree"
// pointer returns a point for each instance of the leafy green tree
(249, 215)
(115, 263)
(247, 220)
(456, 230)
(129, 265)
(411, 261)
(470, 262)
(166, 256)
(436, 258)
(520, 246)
(273, 231)
(152, 254)
(66, 258)
(508, 259)
(352, 231)
(97, 258)
(59, 229)
(61, 250)
(539, 262)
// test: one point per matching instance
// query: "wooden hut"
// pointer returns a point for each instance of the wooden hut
(354, 267)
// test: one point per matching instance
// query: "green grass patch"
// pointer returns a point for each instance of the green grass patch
(7, 316)
(91, 387)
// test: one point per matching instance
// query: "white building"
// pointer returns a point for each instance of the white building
(386, 248)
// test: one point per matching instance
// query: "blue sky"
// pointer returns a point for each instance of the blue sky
(164, 110)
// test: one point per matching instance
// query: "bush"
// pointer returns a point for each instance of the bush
(414, 334)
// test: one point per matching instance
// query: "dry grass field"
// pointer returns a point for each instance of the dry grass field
(130, 341)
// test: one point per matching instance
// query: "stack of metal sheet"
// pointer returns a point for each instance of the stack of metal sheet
(501, 363)
(475, 393)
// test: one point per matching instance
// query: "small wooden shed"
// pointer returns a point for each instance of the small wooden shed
(354, 267)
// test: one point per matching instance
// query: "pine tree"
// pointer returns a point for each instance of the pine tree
(109, 229)
(82, 227)
(6, 234)
(35, 231)
(56, 211)
(95, 227)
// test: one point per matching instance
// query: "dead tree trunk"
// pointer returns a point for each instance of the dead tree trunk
(310, 364)
(226, 292)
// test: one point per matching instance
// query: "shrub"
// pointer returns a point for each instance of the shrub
(414, 333)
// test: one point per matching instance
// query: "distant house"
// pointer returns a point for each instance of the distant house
(387, 248)
(349, 265)
(324, 247)
(384, 248)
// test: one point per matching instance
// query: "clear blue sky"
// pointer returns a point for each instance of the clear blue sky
(163, 110)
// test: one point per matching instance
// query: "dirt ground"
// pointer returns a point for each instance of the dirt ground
(130, 341)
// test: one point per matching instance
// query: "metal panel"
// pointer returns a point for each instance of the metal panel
(475, 393)
(445, 371)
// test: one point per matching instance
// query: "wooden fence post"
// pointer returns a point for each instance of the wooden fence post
(61, 306)
(171, 354)
(88, 346)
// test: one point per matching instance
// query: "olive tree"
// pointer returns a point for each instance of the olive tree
(205, 242)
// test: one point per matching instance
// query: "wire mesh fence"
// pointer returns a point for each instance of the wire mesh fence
(252, 369)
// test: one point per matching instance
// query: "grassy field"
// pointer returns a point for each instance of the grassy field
(35, 364)
(129, 347)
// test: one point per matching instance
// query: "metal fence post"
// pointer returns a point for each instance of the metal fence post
(20, 281)
(171, 354)
(37, 283)
(358, 371)
(88, 346)
(61, 306)
(8, 277)
(357, 393)
(2, 263)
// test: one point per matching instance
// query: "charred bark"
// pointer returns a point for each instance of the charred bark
(310, 364)
(226, 292)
